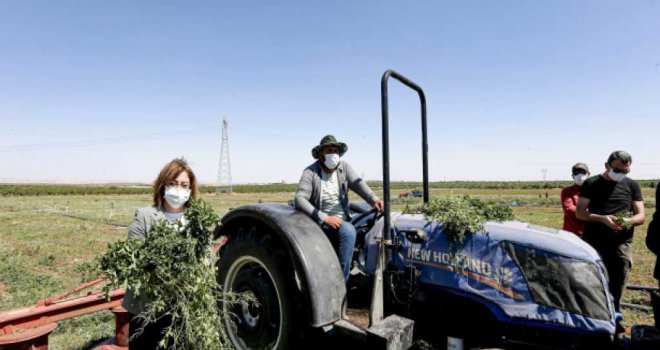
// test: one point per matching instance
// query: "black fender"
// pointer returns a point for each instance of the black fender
(315, 260)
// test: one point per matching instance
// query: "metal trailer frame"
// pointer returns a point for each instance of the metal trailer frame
(29, 328)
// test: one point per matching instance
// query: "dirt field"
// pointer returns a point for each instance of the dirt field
(45, 238)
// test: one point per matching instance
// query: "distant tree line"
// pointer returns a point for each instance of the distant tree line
(495, 185)
(61, 190)
(46, 189)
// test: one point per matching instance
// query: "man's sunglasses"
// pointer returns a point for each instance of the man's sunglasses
(620, 171)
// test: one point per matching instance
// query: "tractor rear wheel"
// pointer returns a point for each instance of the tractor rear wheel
(255, 263)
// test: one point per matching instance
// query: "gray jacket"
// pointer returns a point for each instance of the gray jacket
(308, 195)
(142, 222)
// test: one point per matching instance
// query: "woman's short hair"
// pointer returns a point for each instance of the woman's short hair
(170, 172)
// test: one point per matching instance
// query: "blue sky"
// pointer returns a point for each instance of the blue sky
(110, 91)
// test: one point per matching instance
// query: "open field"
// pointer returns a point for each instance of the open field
(44, 239)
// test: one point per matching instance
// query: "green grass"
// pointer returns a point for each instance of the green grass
(44, 239)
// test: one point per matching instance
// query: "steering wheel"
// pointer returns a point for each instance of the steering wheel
(377, 216)
(370, 222)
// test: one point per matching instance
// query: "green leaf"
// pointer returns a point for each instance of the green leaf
(464, 215)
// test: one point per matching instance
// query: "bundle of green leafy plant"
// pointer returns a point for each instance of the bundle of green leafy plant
(619, 220)
(464, 215)
(171, 268)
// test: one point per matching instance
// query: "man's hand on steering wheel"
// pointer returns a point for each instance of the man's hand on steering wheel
(379, 205)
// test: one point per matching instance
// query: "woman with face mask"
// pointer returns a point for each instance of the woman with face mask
(173, 189)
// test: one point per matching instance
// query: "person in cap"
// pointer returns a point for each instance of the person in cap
(602, 199)
(569, 199)
(323, 195)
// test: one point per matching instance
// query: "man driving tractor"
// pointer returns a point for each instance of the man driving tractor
(323, 195)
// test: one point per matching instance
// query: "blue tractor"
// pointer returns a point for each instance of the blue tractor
(515, 285)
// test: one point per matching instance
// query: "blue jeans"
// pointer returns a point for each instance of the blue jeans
(345, 237)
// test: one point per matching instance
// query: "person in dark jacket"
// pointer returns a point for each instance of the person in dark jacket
(323, 195)
(653, 243)
(653, 235)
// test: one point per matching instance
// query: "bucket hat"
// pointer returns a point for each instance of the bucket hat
(329, 140)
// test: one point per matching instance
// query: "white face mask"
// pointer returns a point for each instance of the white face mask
(331, 160)
(176, 196)
(616, 176)
(579, 179)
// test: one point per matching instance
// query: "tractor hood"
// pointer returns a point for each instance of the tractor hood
(558, 241)
(523, 273)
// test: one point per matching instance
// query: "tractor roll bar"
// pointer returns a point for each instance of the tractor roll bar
(376, 313)
(386, 142)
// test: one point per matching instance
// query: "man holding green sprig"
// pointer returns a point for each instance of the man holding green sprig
(611, 205)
